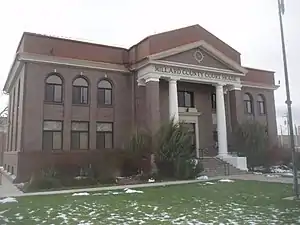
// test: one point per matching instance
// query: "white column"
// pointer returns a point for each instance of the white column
(221, 120)
(173, 101)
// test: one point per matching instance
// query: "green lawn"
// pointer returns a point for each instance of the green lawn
(241, 202)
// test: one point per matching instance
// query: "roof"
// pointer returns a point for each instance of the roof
(65, 48)
(78, 49)
(65, 39)
(261, 70)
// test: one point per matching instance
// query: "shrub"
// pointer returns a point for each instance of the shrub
(278, 155)
(107, 166)
(79, 181)
(188, 169)
(136, 154)
(175, 152)
(251, 140)
(43, 183)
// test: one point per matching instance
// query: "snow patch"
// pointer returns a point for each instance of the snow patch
(271, 175)
(202, 178)
(257, 173)
(226, 180)
(131, 191)
(81, 194)
(209, 183)
(8, 200)
(287, 174)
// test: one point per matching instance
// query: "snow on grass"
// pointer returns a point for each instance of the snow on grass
(131, 191)
(178, 204)
(81, 194)
(8, 200)
(226, 181)
(206, 183)
(125, 191)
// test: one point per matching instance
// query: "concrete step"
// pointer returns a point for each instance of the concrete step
(214, 166)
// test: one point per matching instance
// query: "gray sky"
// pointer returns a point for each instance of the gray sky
(249, 26)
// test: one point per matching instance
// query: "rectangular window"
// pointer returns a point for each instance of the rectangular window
(108, 97)
(80, 135)
(104, 96)
(261, 108)
(52, 135)
(185, 99)
(180, 99)
(53, 93)
(57, 93)
(248, 107)
(80, 95)
(104, 136)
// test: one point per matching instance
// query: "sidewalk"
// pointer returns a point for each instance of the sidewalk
(110, 188)
(7, 188)
(264, 177)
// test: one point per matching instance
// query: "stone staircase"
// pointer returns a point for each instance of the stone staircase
(214, 166)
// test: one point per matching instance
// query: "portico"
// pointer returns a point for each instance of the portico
(174, 109)
(161, 68)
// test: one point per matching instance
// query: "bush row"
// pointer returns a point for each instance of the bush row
(167, 155)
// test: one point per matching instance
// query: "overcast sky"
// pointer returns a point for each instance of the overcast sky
(249, 26)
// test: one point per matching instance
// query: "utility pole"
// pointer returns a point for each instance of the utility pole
(281, 9)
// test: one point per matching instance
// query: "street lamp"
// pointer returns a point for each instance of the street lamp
(288, 102)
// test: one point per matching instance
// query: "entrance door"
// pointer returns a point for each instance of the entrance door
(191, 130)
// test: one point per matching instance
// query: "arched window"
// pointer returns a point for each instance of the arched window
(104, 93)
(80, 91)
(248, 104)
(261, 104)
(53, 89)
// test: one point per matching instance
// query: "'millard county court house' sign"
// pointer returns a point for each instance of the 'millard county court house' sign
(193, 73)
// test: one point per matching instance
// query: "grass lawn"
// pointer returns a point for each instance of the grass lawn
(240, 202)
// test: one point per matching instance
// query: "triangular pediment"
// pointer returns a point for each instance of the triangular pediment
(199, 54)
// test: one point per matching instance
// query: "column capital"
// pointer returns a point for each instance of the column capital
(173, 79)
(152, 77)
(236, 87)
(219, 85)
(141, 82)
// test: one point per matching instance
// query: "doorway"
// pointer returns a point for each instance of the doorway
(192, 131)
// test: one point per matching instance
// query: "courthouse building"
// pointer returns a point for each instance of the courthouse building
(70, 99)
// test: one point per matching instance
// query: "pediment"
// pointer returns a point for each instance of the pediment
(199, 54)
(198, 57)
